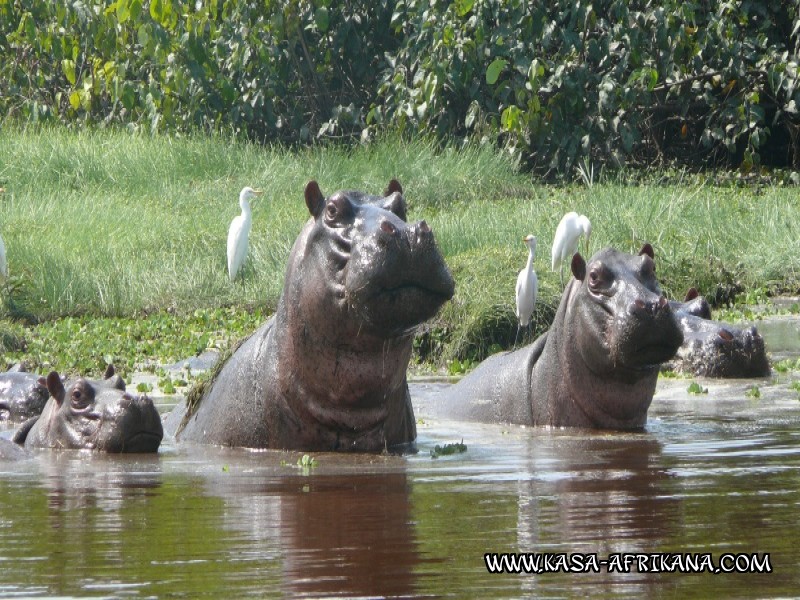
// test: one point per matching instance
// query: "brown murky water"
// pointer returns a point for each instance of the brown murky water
(714, 473)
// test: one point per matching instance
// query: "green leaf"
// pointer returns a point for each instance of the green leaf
(494, 70)
(322, 18)
(75, 100)
(463, 7)
(696, 388)
(68, 67)
(510, 118)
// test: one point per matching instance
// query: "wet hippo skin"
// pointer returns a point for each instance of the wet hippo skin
(715, 349)
(88, 415)
(597, 365)
(328, 371)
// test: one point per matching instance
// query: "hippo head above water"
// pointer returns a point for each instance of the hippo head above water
(388, 273)
(624, 324)
(328, 371)
(596, 366)
(715, 349)
(22, 396)
(93, 416)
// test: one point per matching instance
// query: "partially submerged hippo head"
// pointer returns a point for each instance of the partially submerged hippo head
(716, 349)
(387, 272)
(22, 396)
(624, 327)
(93, 416)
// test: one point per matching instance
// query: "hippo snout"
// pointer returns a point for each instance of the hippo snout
(651, 307)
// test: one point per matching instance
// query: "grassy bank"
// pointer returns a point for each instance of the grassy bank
(105, 224)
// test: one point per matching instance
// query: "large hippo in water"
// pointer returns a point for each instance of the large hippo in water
(328, 370)
(595, 367)
(92, 416)
(715, 349)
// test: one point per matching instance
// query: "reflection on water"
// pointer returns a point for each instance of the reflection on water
(718, 472)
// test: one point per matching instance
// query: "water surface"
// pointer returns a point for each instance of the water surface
(713, 473)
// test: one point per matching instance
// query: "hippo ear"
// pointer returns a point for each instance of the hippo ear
(55, 387)
(691, 294)
(578, 266)
(314, 198)
(647, 249)
(394, 186)
(109, 372)
(396, 204)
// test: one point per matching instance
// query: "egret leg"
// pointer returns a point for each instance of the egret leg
(516, 336)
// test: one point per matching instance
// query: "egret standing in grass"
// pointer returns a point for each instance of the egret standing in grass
(527, 287)
(565, 243)
(239, 232)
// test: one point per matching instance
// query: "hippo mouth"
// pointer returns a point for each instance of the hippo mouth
(443, 293)
(142, 441)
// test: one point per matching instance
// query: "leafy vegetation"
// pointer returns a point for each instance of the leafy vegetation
(448, 449)
(696, 388)
(559, 84)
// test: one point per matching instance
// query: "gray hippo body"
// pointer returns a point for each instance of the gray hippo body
(328, 371)
(92, 416)
(715, 349)
(597, 365)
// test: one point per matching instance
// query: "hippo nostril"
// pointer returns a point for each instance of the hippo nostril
(423, 227)
(639, 303)
(387, 227)
(726, 335)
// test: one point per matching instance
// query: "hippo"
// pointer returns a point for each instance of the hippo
(328, 370)
(715, 349)
(597, 365)
(23, 395)
(92, 416)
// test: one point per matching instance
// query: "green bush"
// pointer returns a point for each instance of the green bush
(558, 83)
(608, 82)
(288, 70)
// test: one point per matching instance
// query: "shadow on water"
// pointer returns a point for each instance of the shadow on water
(713, 473)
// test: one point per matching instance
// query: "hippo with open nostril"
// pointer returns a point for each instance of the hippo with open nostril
(88, 415)
(595, 367)
(328, 370)
(715, 349)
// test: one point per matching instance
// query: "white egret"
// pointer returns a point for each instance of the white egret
(527, 287)
(239, 232)
(3, 263)
(565, 242)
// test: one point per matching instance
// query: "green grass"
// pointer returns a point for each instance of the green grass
(109, 224)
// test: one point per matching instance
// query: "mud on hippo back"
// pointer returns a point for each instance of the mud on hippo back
(595, 367)
(86, 415)
(328, 371)
(715, 349)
